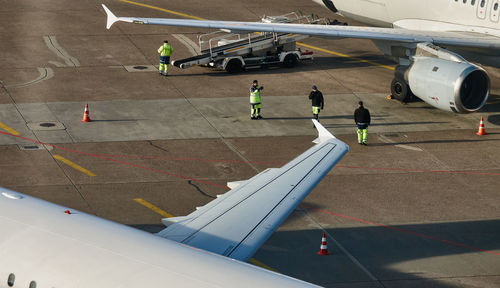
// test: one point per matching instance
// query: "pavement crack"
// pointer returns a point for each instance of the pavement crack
(156, 146)
(199, 190)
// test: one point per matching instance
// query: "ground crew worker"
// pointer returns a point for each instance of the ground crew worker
(317, 101)
(255, 100)
(165, 51)
(362, 119)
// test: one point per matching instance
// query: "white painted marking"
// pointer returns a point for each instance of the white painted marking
(387, 140)
(45, 74)
(57, 64)
(192, 47)
(54, 46)
(342, 248)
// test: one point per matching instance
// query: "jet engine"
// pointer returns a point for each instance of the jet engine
(460, 87)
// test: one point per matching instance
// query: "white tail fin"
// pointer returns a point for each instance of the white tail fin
(323, 134)
(111, 17)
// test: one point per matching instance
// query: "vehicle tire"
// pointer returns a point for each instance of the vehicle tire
(400, 90)
(234, 66)
(290, 60)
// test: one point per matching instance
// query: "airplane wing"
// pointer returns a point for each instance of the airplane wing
(238, 222)
(452, 38)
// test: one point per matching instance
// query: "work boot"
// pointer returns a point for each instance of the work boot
(259, 117)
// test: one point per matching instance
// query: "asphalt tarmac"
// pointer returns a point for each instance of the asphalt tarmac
(418, 207)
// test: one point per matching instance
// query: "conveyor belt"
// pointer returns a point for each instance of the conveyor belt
(177, 63)
(219, 49)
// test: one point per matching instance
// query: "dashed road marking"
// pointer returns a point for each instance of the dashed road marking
(387, 140)
(153, 207)
(8, 129)
(74, 165)
(261, 265)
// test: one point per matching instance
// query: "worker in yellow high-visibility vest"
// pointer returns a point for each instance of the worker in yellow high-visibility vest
(255, 100)
(165, 51)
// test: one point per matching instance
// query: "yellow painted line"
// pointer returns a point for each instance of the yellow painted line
(153, 207)
(261, 265)
(302, 44)
(164, 10)
(8, 129)
(347, 56)
(73, 165)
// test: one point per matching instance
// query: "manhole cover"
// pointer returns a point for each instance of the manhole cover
(46, 124)
(140, 67)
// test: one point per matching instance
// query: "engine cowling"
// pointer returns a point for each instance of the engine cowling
(460, 87)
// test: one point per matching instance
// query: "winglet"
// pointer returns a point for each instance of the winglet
(111, 17)
(323, 134)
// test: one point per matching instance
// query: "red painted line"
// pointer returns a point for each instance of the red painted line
(191, 159)
(281, 163)
(420, 170)
(117, 161)
(404, 231)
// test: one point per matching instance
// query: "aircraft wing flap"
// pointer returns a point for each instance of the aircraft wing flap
(239, 222)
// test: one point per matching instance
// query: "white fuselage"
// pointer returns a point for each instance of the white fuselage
(475, 16)
(41, 243)
(471, 15)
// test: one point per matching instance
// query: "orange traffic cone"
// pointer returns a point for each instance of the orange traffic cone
(481, 130)
(323, 250)
(86, 117)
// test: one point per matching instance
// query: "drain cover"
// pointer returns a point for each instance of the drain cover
(30, 147)
(47, 124)
(34, 147)
(37, 126)
(141, 68)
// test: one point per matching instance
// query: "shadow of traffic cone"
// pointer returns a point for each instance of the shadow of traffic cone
(481, 130)
(86, 117)
(323, 250)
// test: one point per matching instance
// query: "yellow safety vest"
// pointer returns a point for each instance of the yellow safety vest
(165, 50)
(255, 95)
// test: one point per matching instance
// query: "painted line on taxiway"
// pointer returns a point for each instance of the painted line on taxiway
(162, 9)
(409, 232)
(298, 43)
(8, 129)
(74, 165)
(153, 208)
(115, 160)
(261, 265)
(45, 74)
(168, 215)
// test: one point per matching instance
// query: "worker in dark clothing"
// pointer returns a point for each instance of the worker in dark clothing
(317, 101)
(362, 119)
(255, 100)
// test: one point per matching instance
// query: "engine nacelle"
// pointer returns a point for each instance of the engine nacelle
(460, 87)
